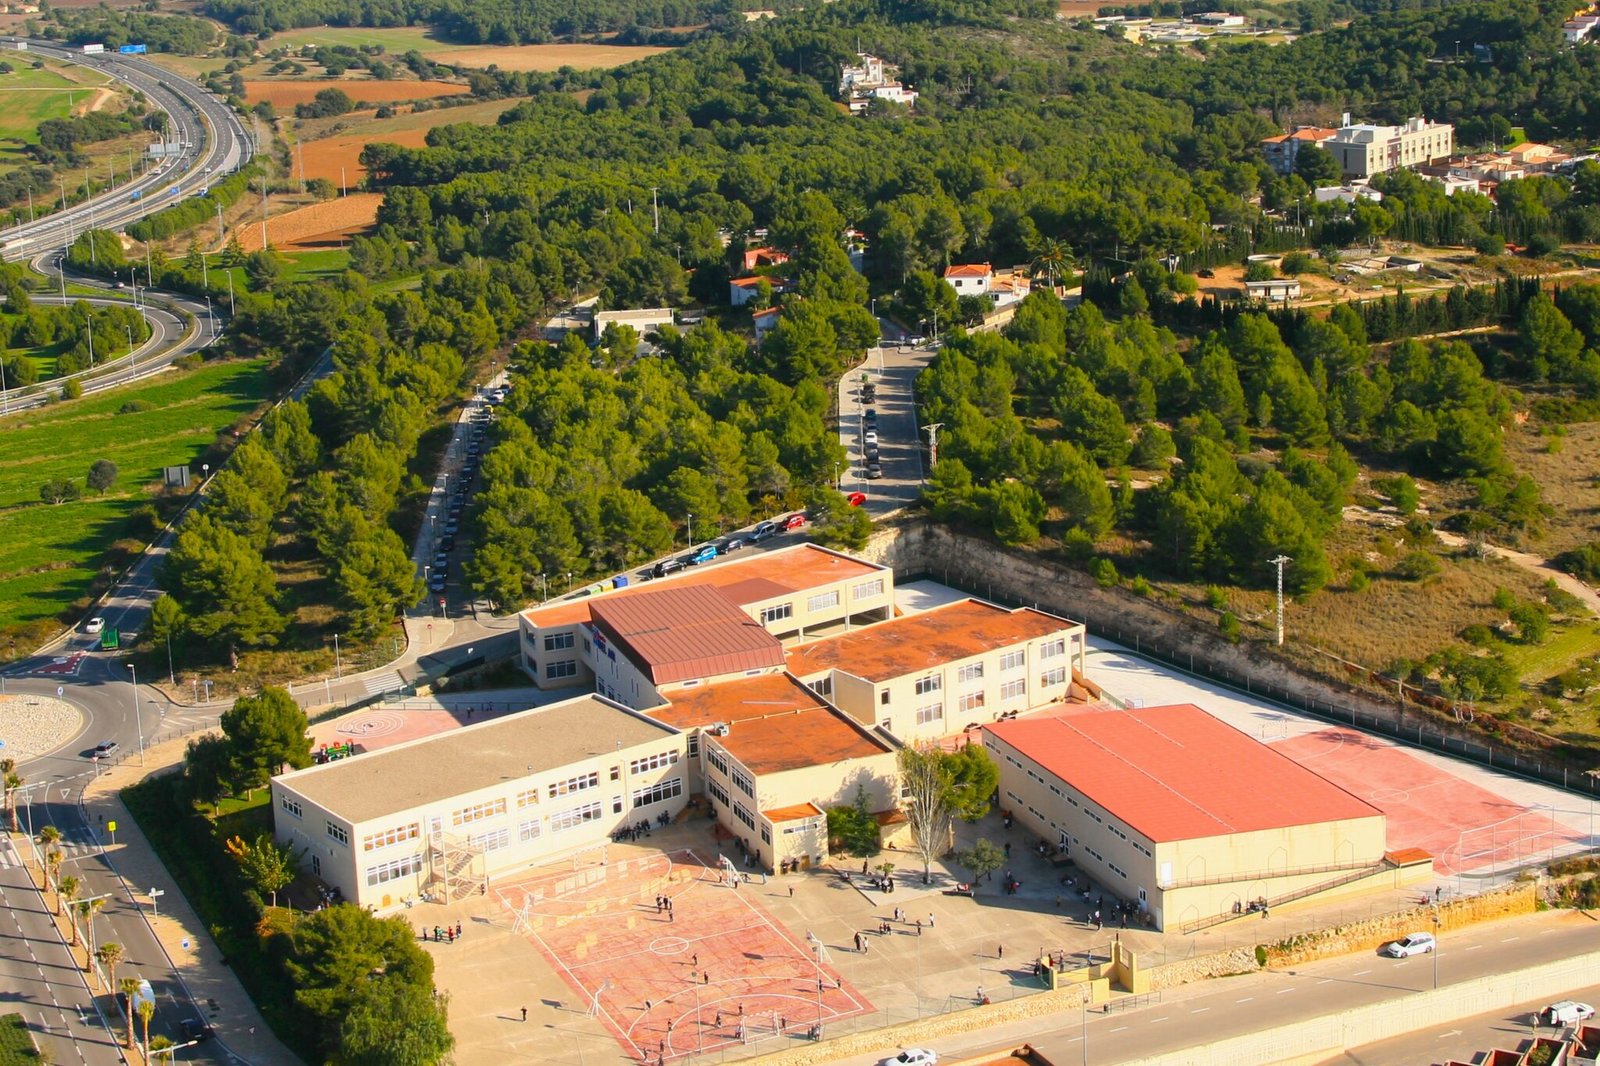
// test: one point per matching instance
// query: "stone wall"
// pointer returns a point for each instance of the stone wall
(1370, 933)
(1203, 968)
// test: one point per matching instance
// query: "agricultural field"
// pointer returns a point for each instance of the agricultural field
(396, 40)
(49, 554)
(284, 95)
(332, 144)
(324, 225)
(32, 96)
(548, 56)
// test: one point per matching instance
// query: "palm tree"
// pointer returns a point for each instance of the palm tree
(49, 835)
(52, 866)
(129, 988)
(146, 1010)
(109, 954)
(156, 1045)
(66, 890)
(13, 781)
(88, 909)
(1054, 257)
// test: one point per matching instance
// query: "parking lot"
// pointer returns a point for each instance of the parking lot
(891, 372)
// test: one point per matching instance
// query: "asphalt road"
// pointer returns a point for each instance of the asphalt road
(893, 369)
(219, 140)
(1198, 1014)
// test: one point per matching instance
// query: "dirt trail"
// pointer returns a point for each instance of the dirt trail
(1534, 564)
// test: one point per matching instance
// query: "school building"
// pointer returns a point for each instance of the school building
(447, 813)
(1190, 818)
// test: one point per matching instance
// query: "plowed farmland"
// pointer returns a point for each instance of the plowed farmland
(548, 56)
(321, 225)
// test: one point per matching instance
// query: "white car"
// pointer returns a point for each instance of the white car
(1409, 945)
(912, 1056)
(1566, 1012)
(95, 625)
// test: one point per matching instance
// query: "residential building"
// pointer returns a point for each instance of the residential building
(445, 814)
(1364, 150)
(761, 257)
(1579, 28)
(765, 320)
(871, 79)
(937, 672)
(1217, 18)
(790, 592)
(1183, 814)
(1283, 151)
(1274, 289)
(773, 757)
(742, 290)
(970, 279)
(645, 320)
(1349, 194)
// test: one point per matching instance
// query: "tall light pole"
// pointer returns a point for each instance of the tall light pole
(690, 516)
(816, 946)
(1280, 562)
(338, 664)
(933, 429)
(137, 720)
(172, 675)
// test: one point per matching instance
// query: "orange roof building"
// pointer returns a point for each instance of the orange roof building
(1283, 150)
(940, 671)
(970, 279)
(1187, 816)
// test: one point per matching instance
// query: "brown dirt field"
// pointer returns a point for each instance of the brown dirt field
(548, 56)
(316, 225)
(1069, 9)
(324, 158)
(286, 94)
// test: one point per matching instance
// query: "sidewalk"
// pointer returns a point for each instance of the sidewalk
(199, 966)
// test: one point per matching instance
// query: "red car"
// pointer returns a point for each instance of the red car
(794, 521)
(856, 499)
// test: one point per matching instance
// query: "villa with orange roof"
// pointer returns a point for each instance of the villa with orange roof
(1283, 150)
(969, 279)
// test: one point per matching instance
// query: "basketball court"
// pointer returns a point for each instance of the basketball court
(672, 957)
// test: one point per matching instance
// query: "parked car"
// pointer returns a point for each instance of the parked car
(871, 437)
(703, 554)
(144, 994)
(95, 625)
(763, 531)
(1566, 1012)
(1409, 945)
(856, 499)
(872, 453)
(874, 469)
(105, 749)
(795, 521)
(665, 567)
(871, 416)
(730, 543)
(436, 581)
(912, 1056)
(447, 542)
(441, 563)
(452, 527)
(195, 1029)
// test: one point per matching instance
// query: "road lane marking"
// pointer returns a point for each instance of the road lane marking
(1281, 991)
(1362, 973)
(1119, 1029)
(1472, 947)
(1199, 1010)
(1246, 999)
(1509, 939)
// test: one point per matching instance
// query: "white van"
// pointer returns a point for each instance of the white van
(144, 994)
(1567, 1012)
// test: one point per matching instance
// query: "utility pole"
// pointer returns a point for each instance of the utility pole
(655, 208)
(933, 429)
(1280, 562)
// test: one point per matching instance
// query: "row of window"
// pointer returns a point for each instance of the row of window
(337, 833)
(1119, 871)
(391, 836)
(743, 782)
(561, 668)
(661, 790)
(478, 812)
(931, 712)
(291, 806)
(394, 870)
(743, 815)
(574, 817)
(575, 784)
(718, 793)
(714, 757)
(558, 641)
(653, 762)
(778, 613)
(493, 840)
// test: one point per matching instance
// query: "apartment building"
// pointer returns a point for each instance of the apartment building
(1363, 150)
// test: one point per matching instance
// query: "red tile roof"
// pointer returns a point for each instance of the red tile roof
(677, 634)
(774, 723)
(917, 642)
(968, 270)
(1177, 773)
(755, 577)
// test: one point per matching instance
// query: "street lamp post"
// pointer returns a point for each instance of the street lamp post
(338, 664)
(172, 675)
(544, 588)
(691, 529)
(137, 719)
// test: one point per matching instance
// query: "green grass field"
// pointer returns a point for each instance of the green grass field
(16, 1046)
(31, 96)
(329, 263)
(396, 40)
(49, 554)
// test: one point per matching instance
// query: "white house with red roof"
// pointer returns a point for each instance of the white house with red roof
(970, 279)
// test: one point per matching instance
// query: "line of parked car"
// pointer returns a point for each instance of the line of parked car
(872, 461)
(477, 443)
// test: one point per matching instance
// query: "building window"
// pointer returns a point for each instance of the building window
(931, 683)
(718, 793)
(714, 757)
(316, 865)
(290, 806)
(1053, 649)
(391, 836)
(575, 784)
(742, 782)
(1058, 676)
(823, 600)
(766, 834)
(653, 762)
(933, 712)
(970, 672)
(823, 687)
(972, 701)
(883, 698)
(616, 804)
(867, 589)
(1014, 690)
(561, 821)
(557, 641)
(564, 668)
(493, 840)
(770, 615)
(1013, 660)
(671, 788)
(528, 830)
(478, 812)
(694, 744)
(743, 815)
(338, 833)
(394, 870)
(528, 797)
(616, 773)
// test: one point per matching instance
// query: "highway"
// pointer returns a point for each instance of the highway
(217, 138)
